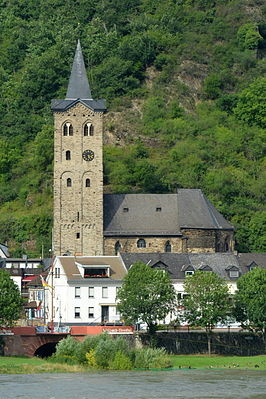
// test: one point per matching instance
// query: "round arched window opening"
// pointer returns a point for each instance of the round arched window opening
(68, 155)
(69, 182)
(117, 247)
(168, 247)
(141, 243)
(87, 183)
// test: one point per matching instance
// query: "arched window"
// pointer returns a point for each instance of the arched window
(226, 245)
(68, 129)
(65, 130)
(87, 183)
(88, 129)
(69, 182)
(117, 247)
(168, 247)
(141, 243)
(68, 155)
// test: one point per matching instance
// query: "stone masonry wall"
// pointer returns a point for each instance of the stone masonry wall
(78, 210)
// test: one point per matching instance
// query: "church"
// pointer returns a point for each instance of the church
(88, 222)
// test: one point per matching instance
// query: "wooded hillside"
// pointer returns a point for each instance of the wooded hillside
(185, 85)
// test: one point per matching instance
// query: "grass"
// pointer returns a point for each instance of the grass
(24, 365)
(219, 362)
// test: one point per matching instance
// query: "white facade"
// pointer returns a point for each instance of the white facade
(81, 301)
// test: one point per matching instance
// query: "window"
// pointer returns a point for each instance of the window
(78, 235)
(158, 209)
(168, 247)
(116, 291)
(69, 182)
(91, 313)
(67, 129)
(141, 243)
(68, 155)
(77, 312)
(77, 216)
(91, 292)
(117, 247)
(125, 209)
(88, 129)
(77, 292)
(234, 273)
(189, 272)
(105, 292)
(57, 272)
(87, 183)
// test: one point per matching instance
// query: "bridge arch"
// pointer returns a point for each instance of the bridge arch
(46, 350)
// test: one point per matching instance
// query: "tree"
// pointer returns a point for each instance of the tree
(147, 295)
(250, 300)
(10, 300)
(207, 301)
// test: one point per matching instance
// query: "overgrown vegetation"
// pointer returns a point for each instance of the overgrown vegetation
(104, 352)
(185, 84)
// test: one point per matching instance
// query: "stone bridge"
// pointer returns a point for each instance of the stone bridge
(27, 341)
(24, 341)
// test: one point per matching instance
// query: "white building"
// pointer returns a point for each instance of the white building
(83, 289)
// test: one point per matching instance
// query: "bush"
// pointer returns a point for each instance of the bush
(152, 358)
(88, 345)
(67, 348)
(120, 362)
(106, 350)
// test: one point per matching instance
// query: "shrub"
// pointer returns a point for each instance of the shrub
(106, 350)
(120, 362)
(90, 357)
(67, 347)
(89, 344)
(152, 358)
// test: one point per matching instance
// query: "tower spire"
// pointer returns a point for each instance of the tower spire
(78, 85)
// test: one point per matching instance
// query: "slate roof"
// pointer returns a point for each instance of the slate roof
(160, 214)
(4, 248)
(78, 88)
(246, 259)
(177, 263)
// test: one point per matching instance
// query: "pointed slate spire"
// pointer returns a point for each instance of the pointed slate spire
(78, 85)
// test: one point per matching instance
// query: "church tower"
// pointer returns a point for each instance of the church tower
(78, 167)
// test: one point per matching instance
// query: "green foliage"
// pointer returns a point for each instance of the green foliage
(152, 358)
(104, 352)
(207, 302)
(196, 66)
(248, 36)
(147, 295)
(121, 362)
(10, 300)
(67, 348)
(250, 300)
(251, 104)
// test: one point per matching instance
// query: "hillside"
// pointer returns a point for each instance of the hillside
(185, 85)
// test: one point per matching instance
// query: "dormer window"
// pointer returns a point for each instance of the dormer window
(189, 272)
(234, 273)
(96, 271)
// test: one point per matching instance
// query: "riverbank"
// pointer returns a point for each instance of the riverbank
(34, 365)
(20, 365)
(219, 362)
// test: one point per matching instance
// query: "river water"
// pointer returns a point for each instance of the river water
(172, 384)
